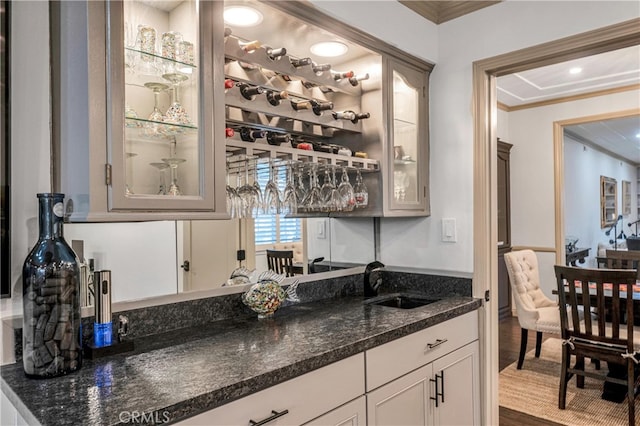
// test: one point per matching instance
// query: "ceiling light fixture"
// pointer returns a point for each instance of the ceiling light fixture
(242, 16)
(575, 70)
(329, 49)
(638, 135)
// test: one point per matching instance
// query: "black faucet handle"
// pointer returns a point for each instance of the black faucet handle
(372, 280)
(373, 265)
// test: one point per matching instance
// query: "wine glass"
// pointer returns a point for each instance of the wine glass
(289, 199)
(272, 196)
(346, 192)
(162, 167)
(326, 188)
(176, 112)
(312, 201)
(127, 186)
(360, 192)
(333, 203)
(259, 205)
(232, 196)
(247, 193)
(173, 164)
(300, 189)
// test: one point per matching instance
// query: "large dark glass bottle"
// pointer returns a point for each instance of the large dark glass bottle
(51, 333)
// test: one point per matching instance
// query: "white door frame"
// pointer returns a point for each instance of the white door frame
(485, 72)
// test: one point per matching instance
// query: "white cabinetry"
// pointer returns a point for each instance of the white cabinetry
(295, 401)
(427, 378)
(353, 413)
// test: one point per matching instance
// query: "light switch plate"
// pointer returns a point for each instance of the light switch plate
(449, 230)
(321, 230)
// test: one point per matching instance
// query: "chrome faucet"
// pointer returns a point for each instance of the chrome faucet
(372, 278)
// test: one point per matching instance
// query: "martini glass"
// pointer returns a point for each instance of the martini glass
(156, 114)
(162, 167)
(176, 113)
(173, 164)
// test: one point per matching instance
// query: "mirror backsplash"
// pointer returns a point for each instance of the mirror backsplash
(148, 259)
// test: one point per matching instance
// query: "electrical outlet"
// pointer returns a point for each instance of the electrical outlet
(449, 230)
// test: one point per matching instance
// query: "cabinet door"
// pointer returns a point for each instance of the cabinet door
(458, 387)
(407, 152)
(353, 413)
(161, 109)
(405, 401)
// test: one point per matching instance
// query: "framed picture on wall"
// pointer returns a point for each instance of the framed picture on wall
(608, 201)
(626, 198)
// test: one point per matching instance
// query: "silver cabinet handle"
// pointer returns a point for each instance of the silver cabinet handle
(274, 416)
(437, 343)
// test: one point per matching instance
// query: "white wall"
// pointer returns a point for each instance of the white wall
(498, 29)
(30, 131)
(583, 166)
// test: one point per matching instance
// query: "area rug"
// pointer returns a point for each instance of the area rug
(534, 391)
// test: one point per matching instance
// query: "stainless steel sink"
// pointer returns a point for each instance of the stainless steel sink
(402, 301)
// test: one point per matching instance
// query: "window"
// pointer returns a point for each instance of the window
(271, 229)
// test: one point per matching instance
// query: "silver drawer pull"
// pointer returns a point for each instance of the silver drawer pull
(437, 343)
(274, 416)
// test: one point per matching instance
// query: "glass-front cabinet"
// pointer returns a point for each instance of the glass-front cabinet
(189, 105)
(407, 156)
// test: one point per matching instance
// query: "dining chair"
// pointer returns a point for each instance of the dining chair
(535, 311)
(605, 335)
(280, 261)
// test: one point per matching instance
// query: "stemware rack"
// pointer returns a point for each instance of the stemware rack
(239, 152)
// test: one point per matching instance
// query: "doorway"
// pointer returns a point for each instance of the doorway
(485, 73)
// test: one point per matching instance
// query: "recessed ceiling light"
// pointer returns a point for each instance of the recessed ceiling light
(575, 70)
(242, 16)
(638, 135)
(329, 49)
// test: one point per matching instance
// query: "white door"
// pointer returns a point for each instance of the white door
(458, 387)
(404, 401)
(210, 247)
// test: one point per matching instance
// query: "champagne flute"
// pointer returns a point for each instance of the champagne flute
(360, 192)
(334, 201)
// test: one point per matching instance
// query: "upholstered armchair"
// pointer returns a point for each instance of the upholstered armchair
(535, 310)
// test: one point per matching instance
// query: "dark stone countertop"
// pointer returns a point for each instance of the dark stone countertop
(188, 371)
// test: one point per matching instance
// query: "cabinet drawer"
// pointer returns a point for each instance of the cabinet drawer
(353, 413)
(305, 397)
(393, 359)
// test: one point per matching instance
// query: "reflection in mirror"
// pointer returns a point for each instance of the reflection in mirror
(150, 259)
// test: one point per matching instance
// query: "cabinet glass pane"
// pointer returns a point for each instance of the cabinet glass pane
(161, 98)
(405, 136)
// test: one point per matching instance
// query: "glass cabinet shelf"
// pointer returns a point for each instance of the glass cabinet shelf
(160, 128)
(185, 67)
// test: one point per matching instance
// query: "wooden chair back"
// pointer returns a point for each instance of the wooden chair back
(619, 259)
(280, 261)
(596, 316)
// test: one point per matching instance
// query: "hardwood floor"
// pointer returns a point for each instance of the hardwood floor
(509, 341)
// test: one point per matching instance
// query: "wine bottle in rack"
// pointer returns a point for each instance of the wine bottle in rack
(297, 63)
(318, 68)
(249, 92)
(351, 116)
(277, 138)
(228, 84)
(250, 46)
(274, 98)
(275, 53)
(337, 76)
(227, 32)
(229, 132)
(356, 79)
(318, 107)
(249, 135)
(301, 105)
